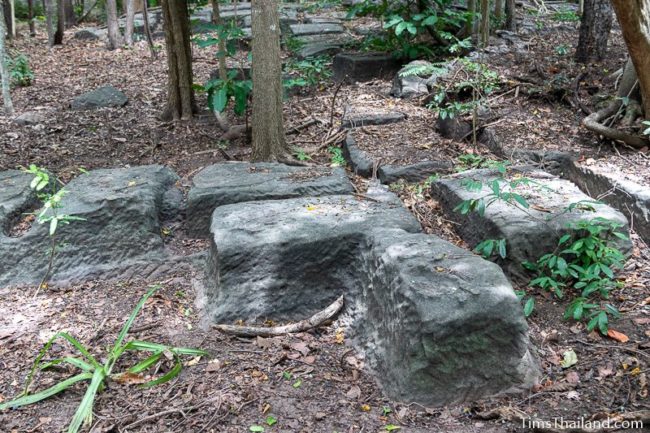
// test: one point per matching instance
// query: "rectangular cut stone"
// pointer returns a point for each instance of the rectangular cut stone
(315, 29)
(529, 232)
(438, 324)
(120, 213)
(222, 184)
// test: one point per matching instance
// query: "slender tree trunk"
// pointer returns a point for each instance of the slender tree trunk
(114, 38)
(469, 24)
(49, 20)
(70, 18)
(30, 18)
(268, 128)
(130, 17)
(4, 70)
(60, 22)
(594, 31)
(180, 97)
(511, 18)
(9, 18)
(147, 29)
(634, 18)
(485, 23)
(498, 10)
(216, 20)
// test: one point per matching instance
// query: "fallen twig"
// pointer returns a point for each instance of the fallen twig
(304, 325)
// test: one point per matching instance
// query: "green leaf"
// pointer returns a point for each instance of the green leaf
(410, 27)
(256, 428)
(53, 224)
(564, 239)
(84, 413)
(146, 363)
(297, 383)
(270, 420)
(519, 199)
(502, 248)
(529, 307)
(219, 99)
(42, 395)
(70, 360)
(176, 369)
(400, 28)
(570, 358)
(392, 427)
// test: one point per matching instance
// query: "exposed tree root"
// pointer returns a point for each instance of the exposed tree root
(304, 325)
(593, 122)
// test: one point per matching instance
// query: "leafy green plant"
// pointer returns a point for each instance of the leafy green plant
(337, 159)
(566, 15)
(462, 96)
(293, 44)
(50, 197)
(301, 155)
(500, 190)
(270, 420)
(646, 125)
(471, 161)
(309, 72)
(529, 305)
(562, 50)
(585, 264)
(20, 71)
(490, 247)
(411, 26)
(97, 373)
(221, 90)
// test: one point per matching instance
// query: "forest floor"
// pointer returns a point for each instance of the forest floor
(309, 382)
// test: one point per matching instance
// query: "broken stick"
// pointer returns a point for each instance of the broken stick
(304, 325)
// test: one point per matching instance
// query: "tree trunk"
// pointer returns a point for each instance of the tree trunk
(594, 31)
(216, 20)
(469, 24)
(9, 18)
(70, 18)
(49, 21)
(634, 18)
(114, 38)
(268, 129)
(4, 70)
(180, 96)
(498, 10)
(30, 18)
(60, 22)
(147, 29)
(485, 23)
(130, 17)
(511, 18)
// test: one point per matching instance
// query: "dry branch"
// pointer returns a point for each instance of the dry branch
(304, 325)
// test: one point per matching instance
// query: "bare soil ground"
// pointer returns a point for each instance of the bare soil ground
(311, 382)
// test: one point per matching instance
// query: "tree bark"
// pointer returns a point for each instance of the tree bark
(30, 18)
(498, 10)
(180, 96)
(60, 22)
(267, 121)
(511, 18)
(9, 18)
(49, 21)
(469, 24)
(595, 26)
(634, 18)
(485, 23)
(114, 38)
(147, 29)
(4, 70)
(129, 5)
(70, 18)
(216, 20)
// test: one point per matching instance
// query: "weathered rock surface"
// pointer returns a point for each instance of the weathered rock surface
(624, 195)
(106, 96)
(91, 34)
(529, 233)
(414, 85)
(354, 118)
(29, 118)
(360, 161)
(351, 67)
(316, 29)
(120, 230)
(222, 184)
(415, 172)
(438, 324)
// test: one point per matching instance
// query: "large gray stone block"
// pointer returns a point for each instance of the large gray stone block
(529, 233)
(437, 324)
(106, 96)
(121, 211)
(222, 184)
